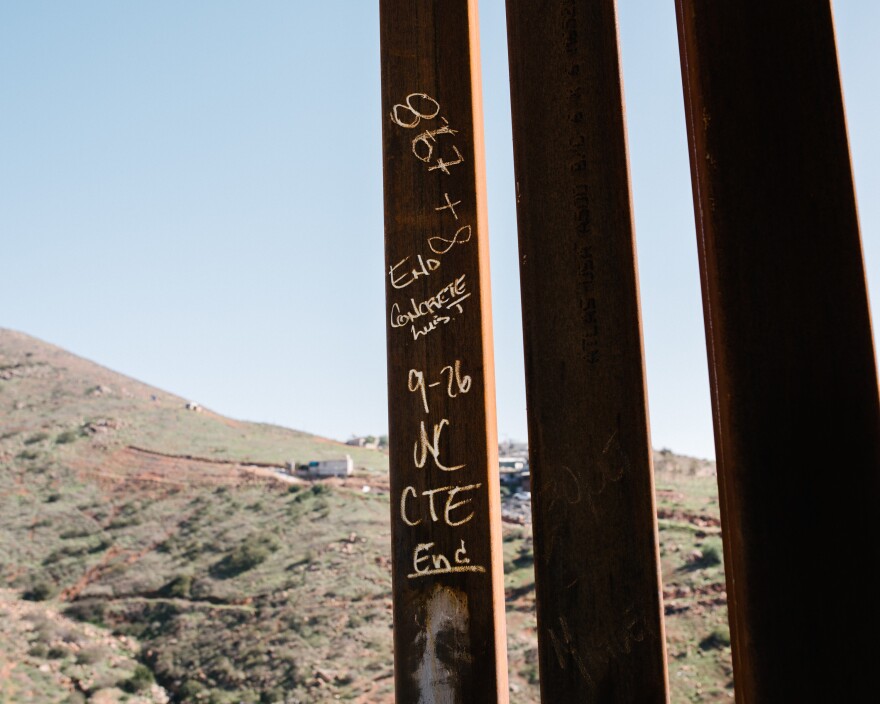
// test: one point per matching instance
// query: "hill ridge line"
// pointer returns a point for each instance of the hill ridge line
(195, 458)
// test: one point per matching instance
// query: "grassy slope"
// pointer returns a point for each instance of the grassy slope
(234, 588)
(47, 657)
(46, 390)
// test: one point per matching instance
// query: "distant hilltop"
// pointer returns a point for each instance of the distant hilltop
(49, 390)
(78, 407)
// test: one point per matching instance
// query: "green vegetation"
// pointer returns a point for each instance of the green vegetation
(245, 556)
(694, 592)
(66, 437)
(141, 680)
(121, 568)
(40, 591)
(51, 652)
(711, 554)
(719, 638)
(178, 588)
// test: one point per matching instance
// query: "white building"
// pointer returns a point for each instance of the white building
(514, 472)
(343, 467)
(512, 464)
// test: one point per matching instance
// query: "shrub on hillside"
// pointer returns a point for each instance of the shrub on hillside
(34, 439)
(76, 533)
(190, 690)
(270, 696)
(66, 437)
(100, 546)
(57, 652)
(245, 556)
(178, 588)
(92, 655)
(140, 681)
(38, 650)
(717, 639)
(90, 611)
(40, 591)
(525, 558)
(712, 554)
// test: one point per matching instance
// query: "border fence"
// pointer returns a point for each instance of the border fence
(791, 359)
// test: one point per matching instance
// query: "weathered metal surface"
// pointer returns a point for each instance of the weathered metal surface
(601, 636)
(449, 636)
(791, 359)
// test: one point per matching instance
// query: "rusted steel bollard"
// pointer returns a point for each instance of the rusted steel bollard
(600, 618)
(449, 636)
(791, 359)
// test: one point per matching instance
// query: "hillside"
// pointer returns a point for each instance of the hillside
(142, 541)
(53, 392)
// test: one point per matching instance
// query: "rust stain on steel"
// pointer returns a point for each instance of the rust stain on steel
(600, 617)
(449, 635)
(791, 357)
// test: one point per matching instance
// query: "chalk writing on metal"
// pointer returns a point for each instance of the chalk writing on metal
(444, 503)
(456, 382)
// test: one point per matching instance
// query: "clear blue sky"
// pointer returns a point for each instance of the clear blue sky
(191, 194)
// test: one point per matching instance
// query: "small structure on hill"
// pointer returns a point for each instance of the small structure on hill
(370, 442)
(321, 469)
(514, 473)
